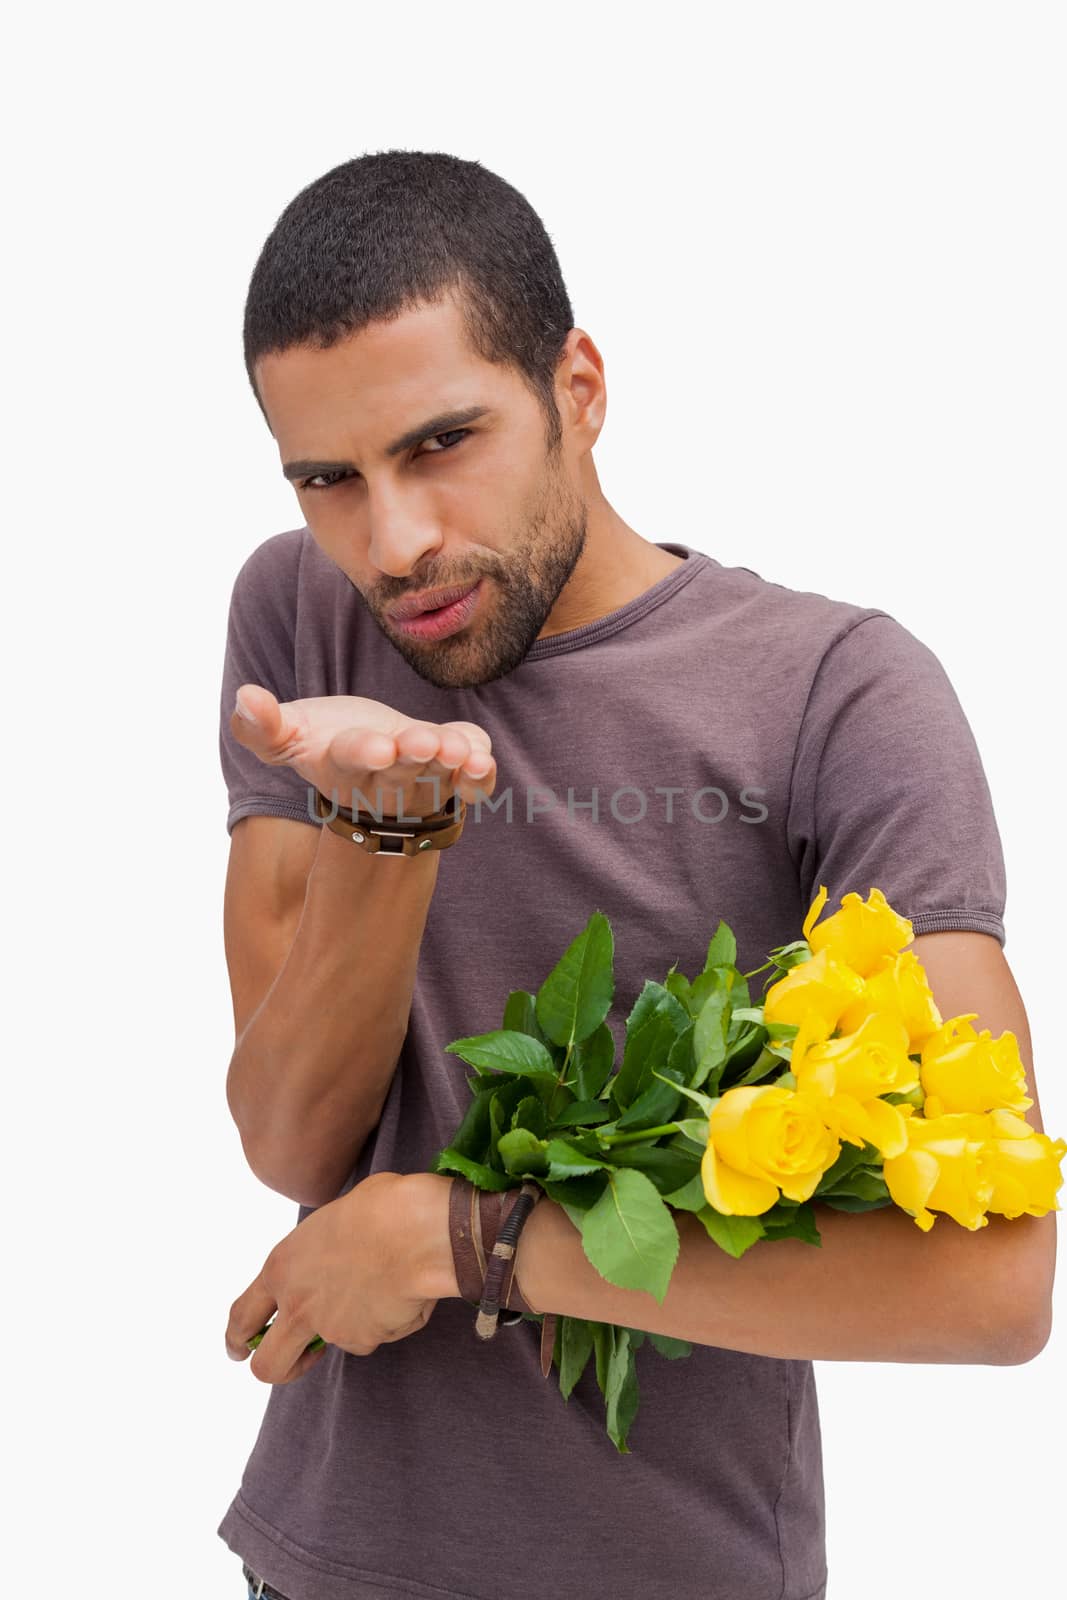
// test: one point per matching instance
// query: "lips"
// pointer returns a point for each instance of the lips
(443, 621)
(415, 607)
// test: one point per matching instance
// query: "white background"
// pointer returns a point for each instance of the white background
(822, 251)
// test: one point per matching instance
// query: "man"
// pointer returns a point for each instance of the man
(634, 728)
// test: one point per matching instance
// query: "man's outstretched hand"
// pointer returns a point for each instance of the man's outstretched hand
(364, 1270)
(344, 744)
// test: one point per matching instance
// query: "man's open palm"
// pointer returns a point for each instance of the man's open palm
(345, 743)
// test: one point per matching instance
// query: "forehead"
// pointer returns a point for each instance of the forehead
(388, 373)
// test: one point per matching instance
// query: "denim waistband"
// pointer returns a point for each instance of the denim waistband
(260, 1586)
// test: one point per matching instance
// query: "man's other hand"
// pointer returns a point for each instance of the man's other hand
(363, 1270)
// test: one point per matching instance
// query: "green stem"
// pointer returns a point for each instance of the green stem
(559, 1081)
(643, 1133)
(253, 1344)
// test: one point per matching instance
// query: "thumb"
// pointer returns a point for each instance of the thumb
(257, 719)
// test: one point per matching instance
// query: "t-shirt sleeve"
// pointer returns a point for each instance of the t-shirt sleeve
(888, 788)
(260, 648)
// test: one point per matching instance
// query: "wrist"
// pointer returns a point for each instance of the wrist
(428, 1229)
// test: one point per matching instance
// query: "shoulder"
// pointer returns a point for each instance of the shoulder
(285, 577)
(274, 565)
(800, 628)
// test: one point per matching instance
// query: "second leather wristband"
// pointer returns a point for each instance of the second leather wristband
(475, 1219)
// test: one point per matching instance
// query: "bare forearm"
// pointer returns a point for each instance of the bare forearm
(311, 1070)
(877, 1289)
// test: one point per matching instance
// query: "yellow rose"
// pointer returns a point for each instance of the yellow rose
(1026, 1167)
(861, 934)
(949, 1166)
(852, 1072)
(763, 1138)
(967, 1071)
(898, 986)
(820, 985)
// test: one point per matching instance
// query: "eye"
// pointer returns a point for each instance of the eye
(318, 482)
(453, 433)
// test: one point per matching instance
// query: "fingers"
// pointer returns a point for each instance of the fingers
(282, 1352)
(475, 736)
(456, 753)
(249, 1312)
(283, 1355)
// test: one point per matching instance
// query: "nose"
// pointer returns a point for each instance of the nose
(402, 533)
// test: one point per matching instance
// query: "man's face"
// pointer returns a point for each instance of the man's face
(485, 500)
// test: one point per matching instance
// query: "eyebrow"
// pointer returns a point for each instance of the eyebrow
(444, 423)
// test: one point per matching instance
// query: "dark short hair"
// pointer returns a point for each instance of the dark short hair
(393, 229)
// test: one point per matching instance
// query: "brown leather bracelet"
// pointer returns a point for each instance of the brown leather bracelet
(388, 836)
(475, 1219)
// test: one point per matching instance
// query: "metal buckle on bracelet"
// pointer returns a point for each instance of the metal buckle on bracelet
(434, 832)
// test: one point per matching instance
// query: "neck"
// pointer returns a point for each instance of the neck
(616, 566)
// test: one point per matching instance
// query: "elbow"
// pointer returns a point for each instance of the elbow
(1026, 1325)
(308, 1185)
(1037, 1276)
(291, 1168)
(1025, 1343)
(299, 1174)
(291, 1185)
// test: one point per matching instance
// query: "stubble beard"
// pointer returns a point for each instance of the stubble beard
(523, 588)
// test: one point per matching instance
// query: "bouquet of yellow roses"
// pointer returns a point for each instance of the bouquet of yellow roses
(844, 1084)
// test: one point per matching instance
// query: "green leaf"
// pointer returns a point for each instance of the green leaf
(767, 1063)
(787, 956)
(742, 1035)
(507, 1093)
(523, 1153)
(658, 1102)
(654, 1106)
(583, 1112)
(850, 1157)
(630, 1235)
(677, 983)
(732, 1234)
(648, 1046)
(576, 996)
(505, 1051)
(690, 1197)
(798, 1222)
(499, 1115)
(705, 1102)
(668, 1169)
(520, 1016)
(530, 1113)
(564, 1161)
(682, 1060)
(576, 1194)
(843, 1202)
(722, 950)
(592, 1061)
(862, 1183)
(603, 1345)
(644, 1008)
(709, 1037)
(673, 1349)
(576, 1348)
(696, 1129)
(621, 1391)
(483, 1177)
(472, 1135)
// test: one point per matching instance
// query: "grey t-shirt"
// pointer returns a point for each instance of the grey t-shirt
(718, 747)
